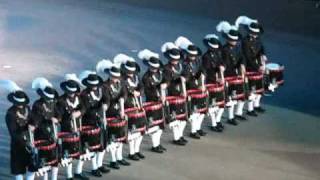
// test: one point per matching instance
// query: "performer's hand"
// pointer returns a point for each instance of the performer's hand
(163, 99)
(136, 93)
(123, 116)
(261, 69)
(222, 68)
(54, 120)
(76, 114)
(183, 79)
(32, 128)
(163, 86)
(264, 58)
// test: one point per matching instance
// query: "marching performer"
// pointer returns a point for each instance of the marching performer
(212, 64)
(46, 117)
(234, 63)
(95, 102)
(176, 91)
(19, 123)
(115, 115)
(195, 85)
(133, 105)
(71, 110)
(254, 53)
(154, 90)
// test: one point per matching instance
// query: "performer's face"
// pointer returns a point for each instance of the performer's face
(20, 106)
(94, 88)
(174, 62)
(115, 79)
(233, 43)
(255, 36)
(71, 95)
(153, 70)
(192, 57)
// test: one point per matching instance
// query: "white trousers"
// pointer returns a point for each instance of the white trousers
(135, 140)
(177, 127)
(29, 176)
(196, 120)
(155, 134)
(215, 115)
(54, 174)
(115, 149)
(239, 108)
(230, 105)
(254, 101)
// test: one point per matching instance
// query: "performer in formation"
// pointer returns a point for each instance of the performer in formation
(94, 116)
(176, 92)
(195, 85)
(154, 89)
(117, 124)
(47, 121)
(71, 109)
(235, 70)
(213, 68)
(254, 53)
(94, 133)
(21, 128)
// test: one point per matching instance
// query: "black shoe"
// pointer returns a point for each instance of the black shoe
(104, 169)
(259, 109)
(157, 149)
(216, 129)
(252, 113)
(183, 140)
(242, 118)
(233, 122)
(114, 165)
(96, 173)
(178, 142)
(133, 157)
(195, 135)
(81, 176)
(162, 148)
(140, 155)
(124, 162)
(69, 178)
(201, 132)
(220, 125)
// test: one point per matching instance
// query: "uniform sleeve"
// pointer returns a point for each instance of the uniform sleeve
(60, 108)
(82, 107)
(57, 113)
(84, 102)
(186, 73)
(242, 58)
(124, 91)
(105, 96)
(167, 75)
(146, 82)
(140, 86)
(36, 114)
(225, 57)
(13, 129)
(262, 50)
(205, 63)
(245, 49)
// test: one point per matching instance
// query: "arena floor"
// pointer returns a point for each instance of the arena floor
(53, 37)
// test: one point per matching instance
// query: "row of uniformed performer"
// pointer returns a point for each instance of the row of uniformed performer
(95, 116)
